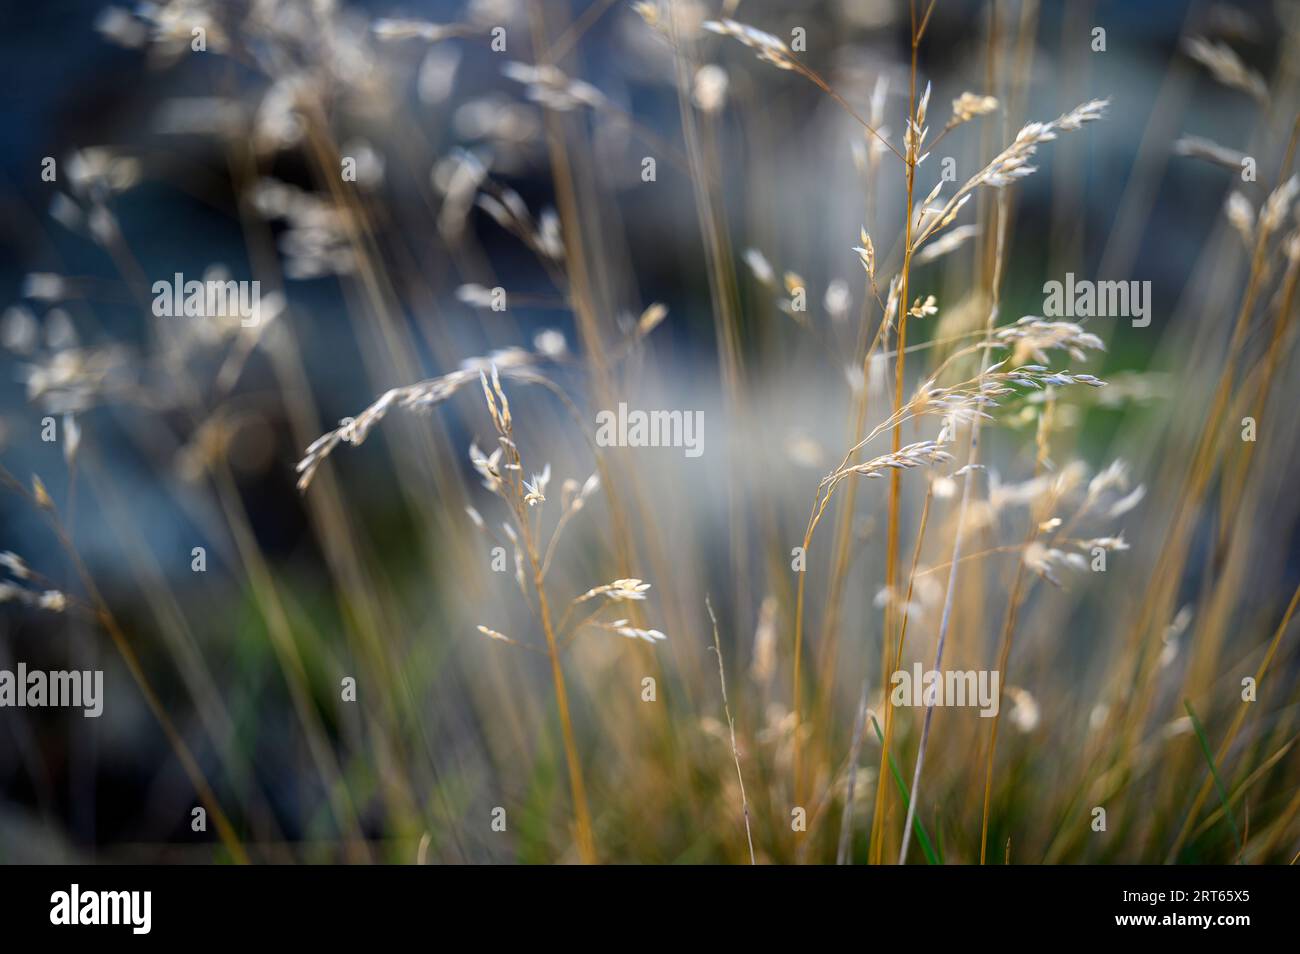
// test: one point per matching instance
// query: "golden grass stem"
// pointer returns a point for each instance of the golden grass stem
(731, 726)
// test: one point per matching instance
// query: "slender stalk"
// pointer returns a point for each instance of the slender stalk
(846, 822)
(1008, 628)
(1018, 589)
(958, 533)
(731, 725)
(581, 814)
(895, 484)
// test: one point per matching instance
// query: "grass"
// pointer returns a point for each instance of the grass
(528, 614)
(926, 848)
(1214, 774)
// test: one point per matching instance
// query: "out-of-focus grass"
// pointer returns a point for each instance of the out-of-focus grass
(376, 572)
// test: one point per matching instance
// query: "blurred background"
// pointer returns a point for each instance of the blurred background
(475, 171)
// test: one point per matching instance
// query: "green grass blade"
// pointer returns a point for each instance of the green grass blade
(917, 827)
(1214, 773)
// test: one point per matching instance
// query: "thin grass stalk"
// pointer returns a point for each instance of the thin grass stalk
(723, 294)
(846, 822)
(972, 463)
(731, 727)
(582, 816)
(580, 291)
(895, 484)
(1018, 589)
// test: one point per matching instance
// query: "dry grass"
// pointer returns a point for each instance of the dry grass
(954, 461)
